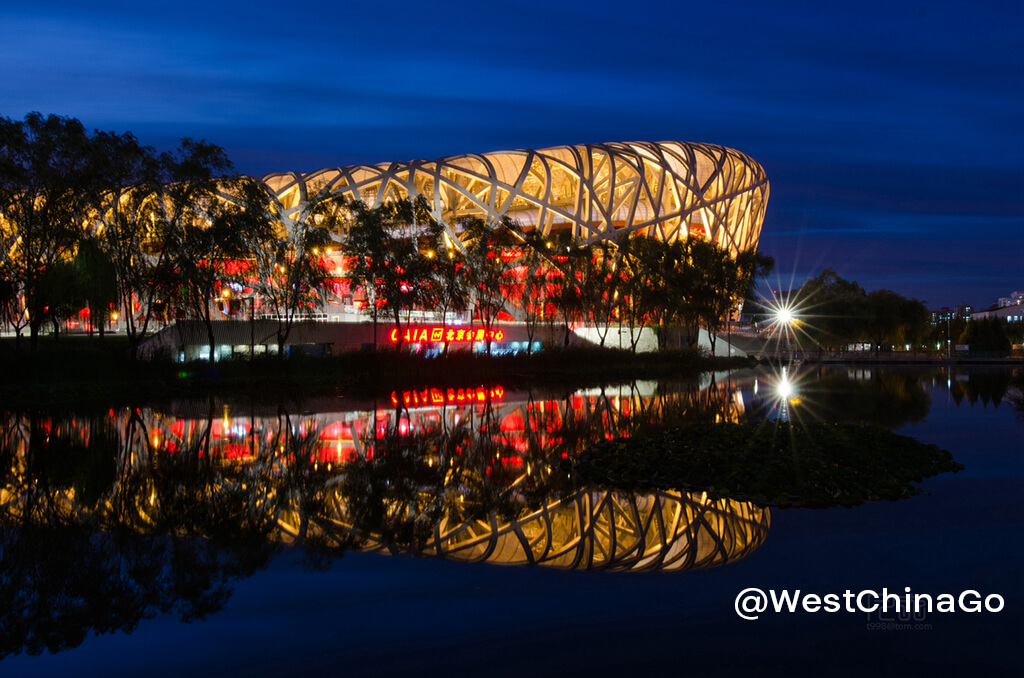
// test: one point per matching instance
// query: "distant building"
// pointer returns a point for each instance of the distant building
(1010, 309)
(1010, 314)
(942, 315)
(963, 311)
(1015, 299)
(946, 314)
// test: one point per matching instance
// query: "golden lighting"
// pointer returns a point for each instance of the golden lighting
(668, 190)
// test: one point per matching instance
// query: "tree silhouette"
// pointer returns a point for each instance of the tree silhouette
(386, 263)
(46, 189)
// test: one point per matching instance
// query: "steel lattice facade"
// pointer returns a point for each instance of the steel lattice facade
(598, 191)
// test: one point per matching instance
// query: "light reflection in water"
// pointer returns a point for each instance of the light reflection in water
(130, 491)
(485, 480)
(481, 477)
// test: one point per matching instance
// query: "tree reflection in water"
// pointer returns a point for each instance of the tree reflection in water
(861, 394)
(886, 396)
(111, 518)
(1015, 393)
(108, 519)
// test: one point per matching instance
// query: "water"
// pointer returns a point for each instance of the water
(445, 605)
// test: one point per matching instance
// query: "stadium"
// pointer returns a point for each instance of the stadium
(588, 193)
(666, 190)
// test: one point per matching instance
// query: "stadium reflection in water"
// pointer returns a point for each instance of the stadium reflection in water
(111, 518)
(475, 474)
(108, 518)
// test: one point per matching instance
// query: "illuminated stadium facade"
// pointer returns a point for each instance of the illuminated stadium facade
(582, 194)
(666, 190)
(590, 192)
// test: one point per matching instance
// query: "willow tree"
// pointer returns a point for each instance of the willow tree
(891, 318)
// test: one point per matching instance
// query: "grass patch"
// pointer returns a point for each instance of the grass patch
(787, 465)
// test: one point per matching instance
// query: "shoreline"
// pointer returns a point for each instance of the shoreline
(80, 375)
(71, 372)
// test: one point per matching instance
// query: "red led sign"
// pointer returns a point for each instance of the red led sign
(449, 396)
(446, 334)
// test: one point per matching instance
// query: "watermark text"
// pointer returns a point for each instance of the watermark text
(750, 603)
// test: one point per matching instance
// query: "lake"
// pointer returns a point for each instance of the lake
(442, 531)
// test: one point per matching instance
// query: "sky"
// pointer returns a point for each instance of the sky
(892, 133)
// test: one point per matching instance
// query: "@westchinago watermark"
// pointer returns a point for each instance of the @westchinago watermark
(752, 602)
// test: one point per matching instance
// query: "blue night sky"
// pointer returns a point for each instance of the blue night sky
(892, 133)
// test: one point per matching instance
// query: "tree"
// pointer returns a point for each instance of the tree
(838, 307)
(753, 267)
(892, 319)
(988, 334)
(713, 284)
(388, 266)
(97, 281)
(490, 274)
(127, 213)
(12, 305)
(195, 232)
(599, 284)
(448, 288)
(566, 294)
(641, 292)
(284, 250)
(57, 293)
(884, 317)
(666, 286)
(46, 188)
(718, 284)
(917, 325)
(528, 290)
